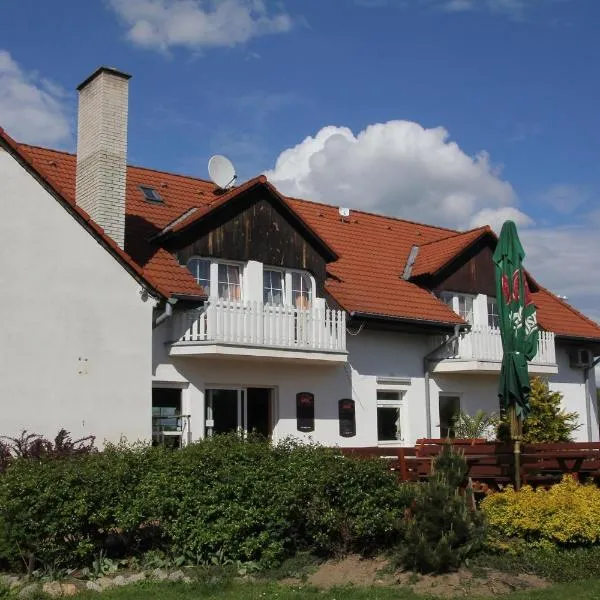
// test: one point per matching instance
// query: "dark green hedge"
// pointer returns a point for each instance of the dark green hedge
(222, 498)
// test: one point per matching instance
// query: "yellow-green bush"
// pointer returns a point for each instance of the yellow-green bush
(566, 514)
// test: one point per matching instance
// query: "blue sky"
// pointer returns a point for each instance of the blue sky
(457, 112)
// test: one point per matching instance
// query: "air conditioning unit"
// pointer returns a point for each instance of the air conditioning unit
(581, 358)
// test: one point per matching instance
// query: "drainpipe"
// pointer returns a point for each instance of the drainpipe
(166, 314)
(588, 398)
(429, 358)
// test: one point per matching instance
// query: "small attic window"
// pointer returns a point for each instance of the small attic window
(150, 194)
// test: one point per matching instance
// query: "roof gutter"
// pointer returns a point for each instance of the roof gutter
(166, 314)
(380, 317)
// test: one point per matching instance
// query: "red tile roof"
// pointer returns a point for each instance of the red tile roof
(372, 249)
(434, 256)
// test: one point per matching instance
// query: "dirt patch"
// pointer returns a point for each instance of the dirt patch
(354, 570)
(464, 584)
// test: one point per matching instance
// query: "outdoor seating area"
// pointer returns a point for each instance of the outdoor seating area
(491, 464)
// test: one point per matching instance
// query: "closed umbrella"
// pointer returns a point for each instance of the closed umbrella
(519, 332)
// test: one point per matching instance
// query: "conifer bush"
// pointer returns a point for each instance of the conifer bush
(441, 529)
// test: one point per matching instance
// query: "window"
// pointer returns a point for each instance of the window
(459, 303)
(273, 287)
(389, 416)
(150, 194)
(229, 282)
(301, 290)
(465, 308)
(493, 317)
(449, 409)
(167, 421)
(200, 269)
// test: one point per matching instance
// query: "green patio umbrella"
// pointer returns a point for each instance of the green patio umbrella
(519, 332)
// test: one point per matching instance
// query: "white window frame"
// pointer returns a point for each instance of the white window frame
(284, 282)
(452, 299)
(214, 274)
(488, 314)
(287, 283)
(398, 403)
(209, 261)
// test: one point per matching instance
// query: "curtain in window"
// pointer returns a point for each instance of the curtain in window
(301, 291)
(273, 287)
(229, 283)
(200, 269)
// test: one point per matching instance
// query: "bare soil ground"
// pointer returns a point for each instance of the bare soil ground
(354, 570)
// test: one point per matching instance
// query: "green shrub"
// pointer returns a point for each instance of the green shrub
(479, 425)
(216, 501)
(567, 514)
(441, 530)
(547, 422)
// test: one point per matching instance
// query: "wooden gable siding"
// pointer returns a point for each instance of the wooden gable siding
(258, 232)
(471, 273)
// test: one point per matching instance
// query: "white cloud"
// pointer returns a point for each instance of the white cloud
(197, 24)
(496, 216)
(565, 260)
(32, 109)
(400, 168)
(397, 168)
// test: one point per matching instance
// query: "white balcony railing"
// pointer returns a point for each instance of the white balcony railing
(255, 324)
(485, 344)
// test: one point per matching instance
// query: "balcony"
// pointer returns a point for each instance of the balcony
(480, 351)
(252, 330)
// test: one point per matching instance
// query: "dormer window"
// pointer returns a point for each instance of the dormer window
(200, 269)
(286, 287)
(301, 290)
(273, 286)
(150, 194)
(230, 287)
(462, 304)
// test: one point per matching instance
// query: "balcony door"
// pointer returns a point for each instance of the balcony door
(246, 410)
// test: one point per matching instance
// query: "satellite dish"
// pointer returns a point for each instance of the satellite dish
(344, 212)
(221, 171)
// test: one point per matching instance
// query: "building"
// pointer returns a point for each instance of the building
(138, 301)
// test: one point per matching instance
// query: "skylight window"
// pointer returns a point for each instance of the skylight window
(150, 194)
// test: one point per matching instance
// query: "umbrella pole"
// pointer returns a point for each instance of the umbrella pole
(515, 433)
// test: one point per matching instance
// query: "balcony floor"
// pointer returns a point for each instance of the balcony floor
(249, 352)
(486, 367)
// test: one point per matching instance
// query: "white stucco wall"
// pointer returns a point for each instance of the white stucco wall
(571, 384)
(372, 354)
(75, 335)
(377, 359)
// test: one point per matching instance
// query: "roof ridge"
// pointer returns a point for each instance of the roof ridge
(129, 165)
(454, 235)
(293, 198)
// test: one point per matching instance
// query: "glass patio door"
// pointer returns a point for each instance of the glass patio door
(238, 410)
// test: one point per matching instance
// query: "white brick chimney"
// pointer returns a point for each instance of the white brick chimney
(102, 149)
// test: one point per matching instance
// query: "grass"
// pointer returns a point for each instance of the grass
(582, 590)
